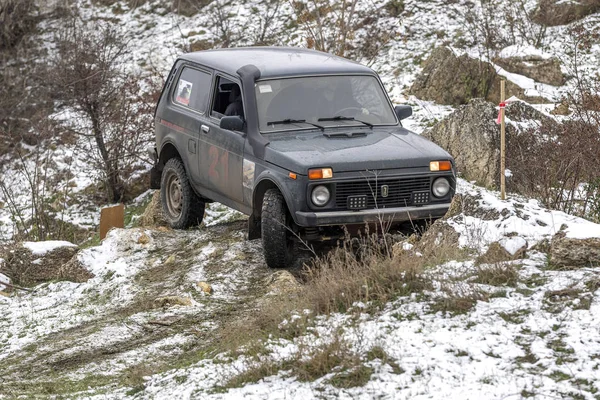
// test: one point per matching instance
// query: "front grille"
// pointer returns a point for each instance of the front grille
(399, 192)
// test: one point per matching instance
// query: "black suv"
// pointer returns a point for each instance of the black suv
(302, 141)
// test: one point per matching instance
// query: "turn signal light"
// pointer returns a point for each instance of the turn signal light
(320, 173)
(440, 166)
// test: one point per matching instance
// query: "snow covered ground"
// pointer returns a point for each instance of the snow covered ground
(538, 337)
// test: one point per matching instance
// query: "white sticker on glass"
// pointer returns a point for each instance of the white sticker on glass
(265, 88)
(184, 91)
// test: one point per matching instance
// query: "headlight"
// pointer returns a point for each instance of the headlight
(441, 187)
(320, 195)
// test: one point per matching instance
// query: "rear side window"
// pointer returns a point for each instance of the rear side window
(193, 88)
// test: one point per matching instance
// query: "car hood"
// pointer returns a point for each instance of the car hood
(378, 149)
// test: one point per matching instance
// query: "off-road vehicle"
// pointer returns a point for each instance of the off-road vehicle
(302, 141)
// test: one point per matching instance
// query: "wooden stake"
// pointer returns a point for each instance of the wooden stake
(111, 217)
(502, 141)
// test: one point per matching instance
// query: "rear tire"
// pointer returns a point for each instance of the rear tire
(278, 245)
(181, 206)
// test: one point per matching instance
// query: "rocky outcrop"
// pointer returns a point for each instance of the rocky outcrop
(450, 79)
(472, 137)
(561, 12)
(29, 264)
(571, 253)
(535, 67)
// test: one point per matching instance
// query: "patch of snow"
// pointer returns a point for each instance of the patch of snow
(513, 244)
(42, 248)
(523, 51)
(516, 215)
(3, 278)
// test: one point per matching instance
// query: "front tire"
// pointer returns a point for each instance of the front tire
(181, 206)
(277, 237)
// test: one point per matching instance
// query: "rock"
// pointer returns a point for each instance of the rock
(170, 259)
(32, 263)
(507, 249)
(535, 67)
(440, 234)
(283, 282)
(574, 253)
(471, 136)
(143, 239)
(153, 215)
(449, 79)
(205, 287)
(561, 12)
(561, 109)
(170, 301)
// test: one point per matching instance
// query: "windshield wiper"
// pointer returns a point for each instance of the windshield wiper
(342, 118)
(295, 121)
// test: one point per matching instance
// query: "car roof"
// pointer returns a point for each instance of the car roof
(274, 62)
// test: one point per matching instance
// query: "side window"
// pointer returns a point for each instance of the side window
(227, 99)
(193, 88)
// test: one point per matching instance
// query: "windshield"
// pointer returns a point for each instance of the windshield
(322, 101)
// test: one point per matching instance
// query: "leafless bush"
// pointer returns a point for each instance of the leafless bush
(36, 190)
(116, 115)
(16, 19)
(343, 29)
(555, 161)
(491, 33)
(189, 7)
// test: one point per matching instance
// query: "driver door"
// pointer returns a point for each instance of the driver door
(221, 150)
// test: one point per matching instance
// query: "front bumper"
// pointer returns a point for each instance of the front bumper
(398, 214)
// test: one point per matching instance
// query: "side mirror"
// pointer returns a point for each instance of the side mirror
(232, 123)
(403, 112)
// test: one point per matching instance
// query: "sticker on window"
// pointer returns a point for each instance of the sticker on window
(184, 91)
(265, 88)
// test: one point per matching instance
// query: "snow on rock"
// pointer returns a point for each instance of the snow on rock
(42, 248)
(513, 244)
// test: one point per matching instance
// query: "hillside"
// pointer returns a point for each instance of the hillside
(498, 299)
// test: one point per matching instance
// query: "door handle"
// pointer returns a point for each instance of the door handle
(205, 128)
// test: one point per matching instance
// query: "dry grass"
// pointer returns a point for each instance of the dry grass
(498, 274)
(374, 274)
(308, 365)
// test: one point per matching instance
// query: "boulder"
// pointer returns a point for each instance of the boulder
(507, 249)
(32, 263)
(283, 282)
(544, 70)
(561, 12)
(450, 79)
(472, 137)
(153, 215)
(439, 235)
(571, 253)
